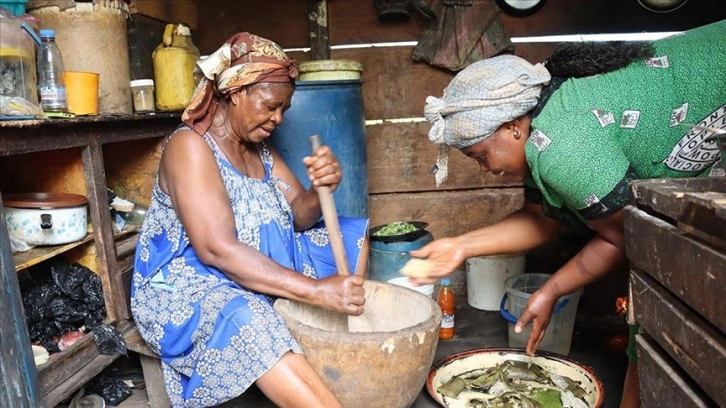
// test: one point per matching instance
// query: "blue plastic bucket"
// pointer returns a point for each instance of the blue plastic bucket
(333, 110)
(387, 258)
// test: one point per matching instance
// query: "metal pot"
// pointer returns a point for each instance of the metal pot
(46, 218)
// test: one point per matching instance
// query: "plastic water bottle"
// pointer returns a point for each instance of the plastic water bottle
(447, 304)
(51, 85)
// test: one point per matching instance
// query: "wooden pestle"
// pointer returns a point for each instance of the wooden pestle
(330, 216)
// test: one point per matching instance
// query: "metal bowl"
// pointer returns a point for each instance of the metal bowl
(409, 236)
(469, 360)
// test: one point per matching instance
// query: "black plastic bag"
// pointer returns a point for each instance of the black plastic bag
(109, 340)
(113, 390)
(61, 297)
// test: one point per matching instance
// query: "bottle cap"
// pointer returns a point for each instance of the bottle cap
(142, 82)
(183, 29)
(47, 33)
(446, 281)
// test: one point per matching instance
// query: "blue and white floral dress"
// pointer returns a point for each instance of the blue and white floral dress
(214, 337)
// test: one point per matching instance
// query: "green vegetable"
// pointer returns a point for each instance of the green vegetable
(549, 398)
(395, 228)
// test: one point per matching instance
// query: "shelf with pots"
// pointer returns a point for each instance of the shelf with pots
(84, 156)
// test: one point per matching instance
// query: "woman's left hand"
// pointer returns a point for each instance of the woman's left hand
(538, 311)
(323, 168)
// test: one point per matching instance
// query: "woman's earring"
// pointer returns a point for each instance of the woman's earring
(516, 133)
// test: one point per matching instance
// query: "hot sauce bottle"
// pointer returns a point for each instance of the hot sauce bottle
(447, 304)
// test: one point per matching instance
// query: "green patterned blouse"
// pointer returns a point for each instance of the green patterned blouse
(594, 135)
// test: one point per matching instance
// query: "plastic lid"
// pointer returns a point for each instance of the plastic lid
(446, 281)
(47, 33)
(183, 29)
(142, 82)
(330, 65)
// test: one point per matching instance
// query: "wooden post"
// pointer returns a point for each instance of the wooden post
(19, 386)
(319, 35)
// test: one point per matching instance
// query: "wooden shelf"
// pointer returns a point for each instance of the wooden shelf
(26, 136)
(94, 153)
(126, 245)
(39, 254)
(34, 256)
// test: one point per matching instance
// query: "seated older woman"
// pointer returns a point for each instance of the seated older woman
(230, 229)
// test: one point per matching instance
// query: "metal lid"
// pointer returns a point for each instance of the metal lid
(44, 200)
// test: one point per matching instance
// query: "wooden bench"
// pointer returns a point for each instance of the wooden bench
(151, 367)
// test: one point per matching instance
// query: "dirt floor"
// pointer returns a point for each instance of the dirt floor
(599, 342)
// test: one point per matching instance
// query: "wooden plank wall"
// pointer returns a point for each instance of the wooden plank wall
(400, 156)
(173, 11)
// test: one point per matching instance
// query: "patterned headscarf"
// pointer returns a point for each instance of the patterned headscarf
(244, 59)
(480, 99)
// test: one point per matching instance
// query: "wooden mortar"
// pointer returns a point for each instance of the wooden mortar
(385, 367)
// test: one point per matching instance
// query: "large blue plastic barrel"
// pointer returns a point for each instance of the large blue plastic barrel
(333, 110)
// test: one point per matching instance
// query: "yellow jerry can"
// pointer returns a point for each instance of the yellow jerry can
(174, 61)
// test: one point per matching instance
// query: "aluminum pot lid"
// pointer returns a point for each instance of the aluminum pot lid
(44, 200)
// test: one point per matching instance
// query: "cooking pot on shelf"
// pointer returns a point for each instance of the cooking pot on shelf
(46, 218)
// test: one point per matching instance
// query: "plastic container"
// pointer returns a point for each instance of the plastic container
(16, 7)
(485, 277)
(333, 110)
(447, 303)
(142, 93)
(18, 60)
(558, 336)
(387, 258)
(51, 83)
(174, 60)
(326, 70)
(82, 92)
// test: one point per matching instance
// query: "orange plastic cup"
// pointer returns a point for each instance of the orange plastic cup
(82, 92)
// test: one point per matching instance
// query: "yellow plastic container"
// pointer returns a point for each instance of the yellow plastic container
(174, 61)
(82, 92)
